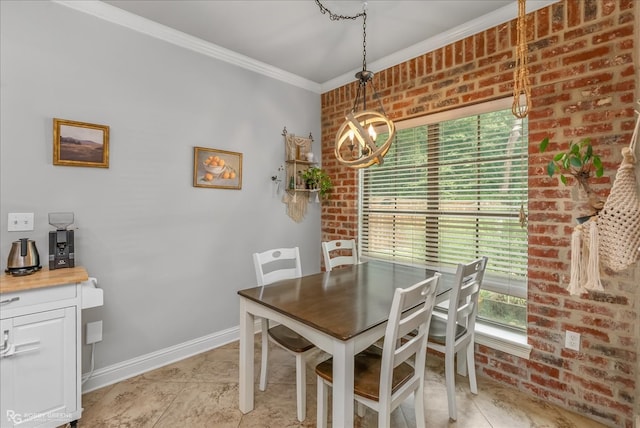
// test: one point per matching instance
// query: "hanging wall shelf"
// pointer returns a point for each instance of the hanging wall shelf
(298, 158)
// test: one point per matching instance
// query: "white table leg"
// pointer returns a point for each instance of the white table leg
(343, 353)
(246, 358)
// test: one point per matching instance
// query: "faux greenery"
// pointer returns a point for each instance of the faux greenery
(317, 178)
(580, 162)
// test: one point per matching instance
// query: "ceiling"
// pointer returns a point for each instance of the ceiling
(295, 37)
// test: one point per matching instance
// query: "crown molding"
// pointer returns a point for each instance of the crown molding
(142, 25)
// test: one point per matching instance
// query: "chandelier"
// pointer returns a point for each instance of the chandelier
(357, 144)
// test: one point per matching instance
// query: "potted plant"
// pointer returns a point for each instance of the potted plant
(578, 161)
(317, 178)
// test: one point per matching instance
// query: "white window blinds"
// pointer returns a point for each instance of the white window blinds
(450, 190)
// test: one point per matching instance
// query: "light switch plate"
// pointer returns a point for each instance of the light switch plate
(20, 222)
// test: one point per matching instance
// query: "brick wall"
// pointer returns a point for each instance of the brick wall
(583, 58)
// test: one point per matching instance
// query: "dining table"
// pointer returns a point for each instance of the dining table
(342, 312)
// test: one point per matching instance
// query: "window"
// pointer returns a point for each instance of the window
(450, 190)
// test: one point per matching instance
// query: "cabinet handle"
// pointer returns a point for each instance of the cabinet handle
(22, 351)
(13, 299)
(5, 342)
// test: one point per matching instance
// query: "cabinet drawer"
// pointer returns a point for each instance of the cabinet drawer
(20, 299)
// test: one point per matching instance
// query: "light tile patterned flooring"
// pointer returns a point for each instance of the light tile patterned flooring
(202, 391)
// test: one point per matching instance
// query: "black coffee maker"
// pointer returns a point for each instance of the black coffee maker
(61, 252)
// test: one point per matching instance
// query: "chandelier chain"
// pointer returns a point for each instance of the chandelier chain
(336, 17)
(364, 41)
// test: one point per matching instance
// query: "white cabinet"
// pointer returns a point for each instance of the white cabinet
(38, 367)
(40, 364)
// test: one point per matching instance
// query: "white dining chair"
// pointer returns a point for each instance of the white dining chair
(271, 266)
(339, 252)
(455, 333)
(385, 377)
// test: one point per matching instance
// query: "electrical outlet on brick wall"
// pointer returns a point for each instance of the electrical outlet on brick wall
(572, 340)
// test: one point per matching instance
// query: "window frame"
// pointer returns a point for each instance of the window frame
(491, 282)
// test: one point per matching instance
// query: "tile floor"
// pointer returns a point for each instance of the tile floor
(202, 391)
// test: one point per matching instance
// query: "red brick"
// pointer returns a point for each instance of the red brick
(581, 63)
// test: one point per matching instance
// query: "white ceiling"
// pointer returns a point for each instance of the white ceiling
(295, 37)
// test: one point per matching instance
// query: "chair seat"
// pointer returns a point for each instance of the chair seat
(438, 330)
(289, 339)
(367, 366)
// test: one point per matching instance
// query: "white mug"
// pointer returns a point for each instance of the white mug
(310, 156)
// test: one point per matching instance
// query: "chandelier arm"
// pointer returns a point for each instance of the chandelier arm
(376, 95)
(356, 101)
(363, 137)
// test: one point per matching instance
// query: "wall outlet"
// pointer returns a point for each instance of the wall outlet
(94, 332)
(20, 222)
(572, 340)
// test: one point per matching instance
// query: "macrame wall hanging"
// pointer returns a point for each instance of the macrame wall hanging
(612, 237)
(297, 151)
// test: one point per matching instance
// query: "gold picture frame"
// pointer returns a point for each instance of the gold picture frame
(219, 169)
(80, 144)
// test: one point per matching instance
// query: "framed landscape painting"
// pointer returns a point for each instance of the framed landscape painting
(217, 168)
(80, 144)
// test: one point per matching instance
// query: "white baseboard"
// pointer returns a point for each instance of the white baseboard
(136, 366)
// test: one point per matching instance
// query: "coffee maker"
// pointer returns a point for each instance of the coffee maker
(61, 252)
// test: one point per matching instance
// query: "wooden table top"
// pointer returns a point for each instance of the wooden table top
(42, 278)
(344, 302)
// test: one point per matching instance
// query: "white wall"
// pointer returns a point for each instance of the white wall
(169, 256)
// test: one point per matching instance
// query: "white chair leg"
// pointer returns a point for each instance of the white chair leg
(462, 364)
(471, 363)
(419, 406)
(450, 380)
(301, 386)
(265, 354)
(322, 406)
(360, 409)
(384, 417)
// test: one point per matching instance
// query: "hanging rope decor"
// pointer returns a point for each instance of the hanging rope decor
(619, 220)
(521, 70)
(613, 236)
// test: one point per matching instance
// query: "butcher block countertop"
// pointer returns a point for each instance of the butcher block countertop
(42, 278)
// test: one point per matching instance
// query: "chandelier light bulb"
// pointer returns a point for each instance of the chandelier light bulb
(372, 133)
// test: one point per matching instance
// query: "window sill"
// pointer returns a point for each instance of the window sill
(511, 342)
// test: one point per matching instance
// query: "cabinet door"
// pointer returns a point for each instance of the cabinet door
(38, 369)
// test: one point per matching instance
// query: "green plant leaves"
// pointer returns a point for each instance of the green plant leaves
(599, 167)
(543, 144)
(575, 162)
(579, 160)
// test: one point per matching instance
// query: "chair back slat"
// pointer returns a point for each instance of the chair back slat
(284, 264)
(466, 289)
(339, 252)
(411, 309)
